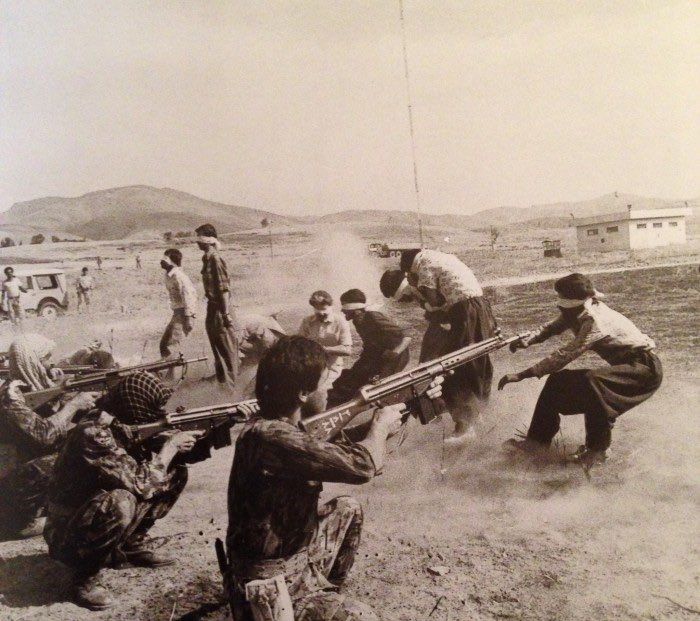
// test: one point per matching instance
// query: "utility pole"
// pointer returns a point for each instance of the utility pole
(410, 123)
(269, 230)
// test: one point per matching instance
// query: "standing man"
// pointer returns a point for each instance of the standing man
(138, 261)
(83, 286)
(219, 322)
(285, 549)
(99, 263)
(331, 330)
(458, 315)
(183, 302)
(11, 292)
(384, 347)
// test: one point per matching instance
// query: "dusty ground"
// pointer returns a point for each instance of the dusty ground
(519, 541)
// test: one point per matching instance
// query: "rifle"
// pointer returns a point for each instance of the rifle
(101, 380)
(407, 387)
(68, 369)
(215, 420)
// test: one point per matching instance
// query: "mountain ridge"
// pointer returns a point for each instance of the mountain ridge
(128, 211)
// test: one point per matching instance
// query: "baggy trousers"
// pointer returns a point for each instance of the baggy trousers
(95, 535)
(331, 554)
(224, 345)
(600, 394)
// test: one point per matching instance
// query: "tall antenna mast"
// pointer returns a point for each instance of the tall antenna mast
(410, 122)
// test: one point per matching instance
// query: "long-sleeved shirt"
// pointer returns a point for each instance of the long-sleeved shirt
(275, 483)
(215, 276)
(608, 333)
(331, 332)
(378, 333)
(24, 430)
(181, 291)
(447, 275)
(95, 458)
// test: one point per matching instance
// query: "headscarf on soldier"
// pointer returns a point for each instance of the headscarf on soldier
(28, 358)
(139, 398)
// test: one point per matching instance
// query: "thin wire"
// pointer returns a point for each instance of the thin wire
(410, 122)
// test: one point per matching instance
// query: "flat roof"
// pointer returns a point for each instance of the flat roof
(39, 271)
(634, 214)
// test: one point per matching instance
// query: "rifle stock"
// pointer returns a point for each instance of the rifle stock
(101, 380)
(407, 387)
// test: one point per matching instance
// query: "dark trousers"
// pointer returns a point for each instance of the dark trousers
(366, 368)
(601, 395)
(96, 534)
(224, 345)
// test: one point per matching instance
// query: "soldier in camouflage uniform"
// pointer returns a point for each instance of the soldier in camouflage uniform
(29, 440)
(106, 491)
(276, 525)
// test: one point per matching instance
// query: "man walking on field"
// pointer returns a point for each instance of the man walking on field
(219, 322)
(183, 301)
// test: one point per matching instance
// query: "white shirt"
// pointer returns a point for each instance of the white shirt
(11, 287)
(183, 295)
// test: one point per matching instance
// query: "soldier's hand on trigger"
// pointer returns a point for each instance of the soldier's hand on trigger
(184, 441)
(389, 418)
(83, 401)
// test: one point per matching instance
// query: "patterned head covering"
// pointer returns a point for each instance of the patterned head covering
(139, 398)
(25, 355)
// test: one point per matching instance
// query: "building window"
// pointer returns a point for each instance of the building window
(657, 225)
(673, 223)
(612, 229)
(592, 232)
(643, 225)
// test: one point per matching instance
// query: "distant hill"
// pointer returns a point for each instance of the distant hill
(555, 215)
(144, 211)
(130, 211)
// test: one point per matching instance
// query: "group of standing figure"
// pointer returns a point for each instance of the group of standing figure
(287, 554)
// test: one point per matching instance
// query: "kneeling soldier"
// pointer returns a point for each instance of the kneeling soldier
(286, 551)
(106, 491)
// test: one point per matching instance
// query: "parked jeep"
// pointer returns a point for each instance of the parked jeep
(47, 292)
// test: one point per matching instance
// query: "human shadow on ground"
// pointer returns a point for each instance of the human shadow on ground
(33, 580)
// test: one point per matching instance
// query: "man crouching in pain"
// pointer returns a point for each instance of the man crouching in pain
(288, 555)
(107, 491)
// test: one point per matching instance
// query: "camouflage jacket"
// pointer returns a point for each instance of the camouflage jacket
(99, 455)
(275, 485)
(23, 432)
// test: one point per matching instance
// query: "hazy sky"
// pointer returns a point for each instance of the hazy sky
(300, 107)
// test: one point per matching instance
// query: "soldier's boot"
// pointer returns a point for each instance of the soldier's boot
(147, 558)
(91, 594)
(525, 445)
(589, 457)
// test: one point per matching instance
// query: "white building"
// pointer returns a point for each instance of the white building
(632, 229)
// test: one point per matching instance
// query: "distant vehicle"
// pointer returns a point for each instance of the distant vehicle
(394, 250)
(47, 292)
(552, 248)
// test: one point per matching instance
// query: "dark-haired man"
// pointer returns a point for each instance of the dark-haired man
(107, 491)
(83, 286)
(601, 394)
(458, 315)
(220, 323)
(384, 347)
(183, 302)
(12, 291)
(283, 547)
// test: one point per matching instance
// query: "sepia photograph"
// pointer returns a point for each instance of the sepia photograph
(349, 310)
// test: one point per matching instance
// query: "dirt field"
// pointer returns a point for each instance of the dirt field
(518, 541)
